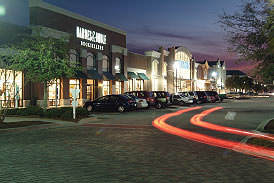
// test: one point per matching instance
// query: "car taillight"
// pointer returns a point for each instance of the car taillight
(130, 101)
(204, 96)
(140, 100)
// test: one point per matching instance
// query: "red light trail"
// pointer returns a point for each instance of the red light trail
(197, 120)
(206, 139)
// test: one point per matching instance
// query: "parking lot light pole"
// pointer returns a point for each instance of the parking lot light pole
(176, 66)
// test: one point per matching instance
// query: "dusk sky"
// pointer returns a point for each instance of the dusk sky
(153, 23)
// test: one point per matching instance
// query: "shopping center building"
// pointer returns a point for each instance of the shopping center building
(107, 65)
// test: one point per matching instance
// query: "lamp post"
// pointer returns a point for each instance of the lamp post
(214, 74)
(176, 66)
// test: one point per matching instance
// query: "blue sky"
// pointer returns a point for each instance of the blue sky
(153, 23)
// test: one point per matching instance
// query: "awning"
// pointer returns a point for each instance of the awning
(80, 74)
(132, 75)
(120, 77)
(143, 76)
(108, 76)
(92, 74)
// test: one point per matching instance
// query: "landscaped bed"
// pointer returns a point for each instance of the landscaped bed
(269, 128)
(21, 124)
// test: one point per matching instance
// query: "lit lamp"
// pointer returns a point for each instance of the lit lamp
(2, 11)
(117, 67)
(176, 66)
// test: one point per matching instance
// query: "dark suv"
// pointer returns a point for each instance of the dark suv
(145, 95)
(162, 99)
(202, 97)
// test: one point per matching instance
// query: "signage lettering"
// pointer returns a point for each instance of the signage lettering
(92, 36)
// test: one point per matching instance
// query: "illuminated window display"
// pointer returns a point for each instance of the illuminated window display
(154, 84)
(139, 85)
(165, 84)
(54, 93)
(11, 83)
(106, 88)
(118, 85)
(130, 84)
(90, 89)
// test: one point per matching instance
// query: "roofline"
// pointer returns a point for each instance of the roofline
(41, 4)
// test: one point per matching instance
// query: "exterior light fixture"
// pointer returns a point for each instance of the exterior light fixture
(2, 11)
(214, 74)
(117, 67)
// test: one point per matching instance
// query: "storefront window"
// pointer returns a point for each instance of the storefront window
(74, 84)
(54, 93)
(90, 89)
(11, 83)
(130, 83)
(105, 62)
(106, 88)
(118, 85)
(90, 61)
(139, 85)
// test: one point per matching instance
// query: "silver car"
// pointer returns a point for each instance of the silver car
(181, 99)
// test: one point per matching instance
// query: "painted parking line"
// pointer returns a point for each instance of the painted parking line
(209, 140)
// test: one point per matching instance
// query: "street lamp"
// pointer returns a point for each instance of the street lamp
(176, 66)
(214, 74)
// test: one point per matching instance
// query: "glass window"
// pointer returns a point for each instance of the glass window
(90, 89)
(165, 69)
(54, 93)
(154, 84)
(118, 65)
(130, 85)
(155, 67)
(106, 88)
(118, 85)
(165, 84)
(139, 85)
(105, 62)
(11, 87)
(90, 61)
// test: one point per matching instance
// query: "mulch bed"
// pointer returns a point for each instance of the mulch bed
(21, 124)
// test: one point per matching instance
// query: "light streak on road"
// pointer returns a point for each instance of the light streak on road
(197, 120)
(206, 139)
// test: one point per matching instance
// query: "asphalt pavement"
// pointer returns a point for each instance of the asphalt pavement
(127, 148)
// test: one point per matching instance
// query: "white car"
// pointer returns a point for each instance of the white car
(181, 99)
(141, 103)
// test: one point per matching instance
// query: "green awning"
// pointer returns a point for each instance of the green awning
(143, 76)
(132, 75)
(80, 74)
(93, 74)
(120, 77)
(108, 76)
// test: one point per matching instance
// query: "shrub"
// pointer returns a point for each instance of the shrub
(81, 112)
(22, 112)
(65, 109)
(67, 115)
(53, 113)
(12, 111)
(35, 110)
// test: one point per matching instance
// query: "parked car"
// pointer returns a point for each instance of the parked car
(162, 99)
(118, 103)
(212, 96)
(141, 103)
(191, 95)
(234, 95)
(148, 96)
(181, 99)
(202, 97)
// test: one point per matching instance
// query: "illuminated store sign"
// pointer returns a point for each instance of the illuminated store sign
(94, 39)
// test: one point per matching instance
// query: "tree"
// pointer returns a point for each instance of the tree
(230, 84)
(249, 33)
(41, 60)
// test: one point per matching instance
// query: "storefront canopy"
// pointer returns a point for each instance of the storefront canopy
(80, 74)
(108, 76)
(143, 76)
(120, 77)
(132, 75)
(92, 74)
